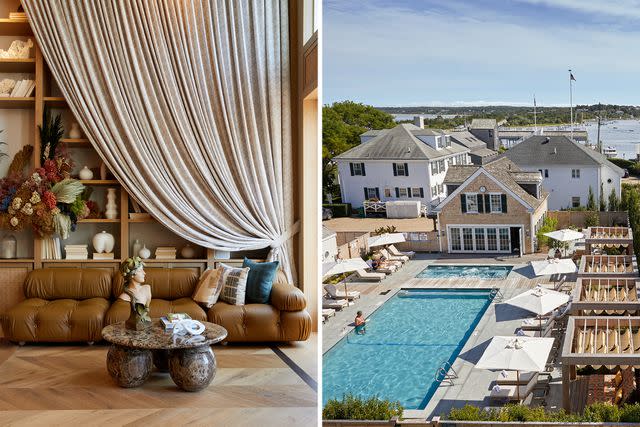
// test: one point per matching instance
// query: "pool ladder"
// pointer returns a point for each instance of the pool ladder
(497, 295)
(445, 373)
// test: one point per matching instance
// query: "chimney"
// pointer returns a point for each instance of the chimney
(418, 121)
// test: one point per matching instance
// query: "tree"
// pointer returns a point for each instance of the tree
(633, 209)
(591, 200)
(614, 202)
(603, 202)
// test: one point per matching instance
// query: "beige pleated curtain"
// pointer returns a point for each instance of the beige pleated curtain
(187, 102)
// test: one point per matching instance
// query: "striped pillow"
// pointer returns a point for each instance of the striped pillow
(234, 284)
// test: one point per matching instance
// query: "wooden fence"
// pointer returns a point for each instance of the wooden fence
(578, 218)
(352, 244)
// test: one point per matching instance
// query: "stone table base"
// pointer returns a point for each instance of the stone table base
(161, 360)
(192, 369)
(129, 367)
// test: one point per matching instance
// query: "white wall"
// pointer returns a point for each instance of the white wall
(616, 182)
(329, 249)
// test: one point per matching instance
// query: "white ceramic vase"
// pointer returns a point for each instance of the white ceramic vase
(135, 250)
(75, 132)
(103, 242)
(111, 211)
(85, 173)
(144, 252)
(8, 246)
(188, 251)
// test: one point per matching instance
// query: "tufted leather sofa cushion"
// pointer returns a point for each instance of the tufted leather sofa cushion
(121, 309)
(71, 283)
(166, 283)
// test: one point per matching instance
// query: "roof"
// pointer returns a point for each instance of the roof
(326, 233)
(468, 139)
(505, 171)
(483, 124)
(400, 143)
(556, 150)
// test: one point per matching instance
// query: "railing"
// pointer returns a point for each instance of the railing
(497, 295)
(445, 373)
(374, 207)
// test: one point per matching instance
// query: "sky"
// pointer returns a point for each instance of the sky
(481, 52)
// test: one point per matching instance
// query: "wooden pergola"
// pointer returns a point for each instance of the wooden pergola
(605, 296)
(600, 237)
(608, 266)
(612, 341)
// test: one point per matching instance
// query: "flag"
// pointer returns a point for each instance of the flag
(571, 76)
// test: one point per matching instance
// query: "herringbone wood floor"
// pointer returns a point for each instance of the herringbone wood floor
(69, 385)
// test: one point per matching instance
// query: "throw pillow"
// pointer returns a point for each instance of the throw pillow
(260, 280)
(209, 287)
(235, 284)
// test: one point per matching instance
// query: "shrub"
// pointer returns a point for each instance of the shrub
(630, 413)
(469, 413)
(356, 408)
(549, 224)
(384, 230)
(591, 219)
(339, 209)
(601, 412)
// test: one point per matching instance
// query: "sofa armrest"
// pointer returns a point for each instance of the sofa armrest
(286, 297)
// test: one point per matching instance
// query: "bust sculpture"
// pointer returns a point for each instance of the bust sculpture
(136, 292)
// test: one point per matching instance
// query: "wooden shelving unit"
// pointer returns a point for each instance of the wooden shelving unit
(100, 182)
(7, 102)
(10, 27)
(27, 65)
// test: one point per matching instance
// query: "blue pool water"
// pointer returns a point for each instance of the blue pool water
(458, 271)
(407, 339)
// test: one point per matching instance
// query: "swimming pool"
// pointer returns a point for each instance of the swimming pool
(407, 340)
(460, 271)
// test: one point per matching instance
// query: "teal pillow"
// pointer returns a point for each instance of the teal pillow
(260, 280)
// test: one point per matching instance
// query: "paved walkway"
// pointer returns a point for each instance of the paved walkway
(473, 385)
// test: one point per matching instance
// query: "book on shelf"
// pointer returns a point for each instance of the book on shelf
(76, 251)
(23, 88)
(165, 252)
(51, 248)
(18, 16)
(97, 255)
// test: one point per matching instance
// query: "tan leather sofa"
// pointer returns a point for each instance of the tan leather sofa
(171, 290)
(62, 304)
(73, 304)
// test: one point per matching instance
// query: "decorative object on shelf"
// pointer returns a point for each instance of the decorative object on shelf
(85, 173)
(50, 134)
(20, 161)
(6, 87)
(76, 252)
(188, 251)
(103, 242)
(103, 171)
(19, 49)
(144, 252)
(135, 249)
(112, 207)
(75, 132)
(8, 247)
(166, 252)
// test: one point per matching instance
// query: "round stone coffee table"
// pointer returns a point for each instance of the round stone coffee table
(189, 359)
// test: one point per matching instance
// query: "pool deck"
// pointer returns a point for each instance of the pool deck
(473, 385)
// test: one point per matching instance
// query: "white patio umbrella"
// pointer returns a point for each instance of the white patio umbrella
(553, 266)
(386, 239)
(565, 235)
(539, 300)
(343, 266)
(516, 354)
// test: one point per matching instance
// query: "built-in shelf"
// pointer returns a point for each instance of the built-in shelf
(9, 102)
(99, 220)
(12, 27)
(17, 65)
(55, 101)
(76, 141)
(77, 261)
(174, 261)
(16, 260)
(142, 220)
(99, 182)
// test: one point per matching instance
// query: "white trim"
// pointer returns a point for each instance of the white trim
(486, 239)
(473, 176)
(466, 201)
(491, 203)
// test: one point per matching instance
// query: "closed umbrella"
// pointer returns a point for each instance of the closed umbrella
(539, 300)
(516, 354)
(386, 239)
(553, 266)
(343, 266)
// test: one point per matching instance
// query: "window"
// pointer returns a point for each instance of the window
(438, 142)
(417, 192)
(387, 192)
(371, 193)
(455, 239)
(402, 192)
(505, 239)
(357, 169)
(480, 241)
(546, 173)
(575, 173)
(492, 242)
(447, 141)
(472, 203)
(438, 167)
(496, 203)
(490, 134)
(575, 202)
(467, 239)
(400, 169)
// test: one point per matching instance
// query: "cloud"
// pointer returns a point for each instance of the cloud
(616, 8)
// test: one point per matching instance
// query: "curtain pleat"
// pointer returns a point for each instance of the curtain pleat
(188, 104)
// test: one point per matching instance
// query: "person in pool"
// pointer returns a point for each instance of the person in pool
(361, 324)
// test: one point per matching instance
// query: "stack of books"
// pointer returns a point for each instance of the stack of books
(18, 16)
(23, 89)
(76, 251)
(97, 255)
(166, 252)
(51, 248)
(170, 319)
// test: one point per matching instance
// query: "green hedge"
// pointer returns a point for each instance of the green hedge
(355, 408)
(631, 166)
(594, 413)
(339, 209)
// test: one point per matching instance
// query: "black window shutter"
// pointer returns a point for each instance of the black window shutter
(421, 192)
(366, 194)
(363, 171)
(479, 199)
(378, 193)
(395, 170)
(406, 169)
(351, 167)
(504, 203)
(463, 203)
(487, 203)
(409, 192)
(397, 192)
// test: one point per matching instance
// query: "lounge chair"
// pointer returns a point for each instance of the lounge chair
(511, 378)
(372, 276)
(546, 330)
(334, 293)
(385, 253)
(334, 304)
(395, 252)
(533, 323)
(510, 392)
(327, 312)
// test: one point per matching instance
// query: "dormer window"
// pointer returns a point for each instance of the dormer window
(438, 142)
(447, 141)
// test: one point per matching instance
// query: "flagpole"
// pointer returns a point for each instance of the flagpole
(535, 118)
(571, 100)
